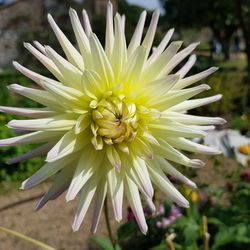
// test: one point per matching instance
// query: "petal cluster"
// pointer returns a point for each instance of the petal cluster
(114, 119)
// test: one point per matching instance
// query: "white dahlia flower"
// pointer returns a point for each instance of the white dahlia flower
(113, 118)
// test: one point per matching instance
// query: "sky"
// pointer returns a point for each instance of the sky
(147, 4)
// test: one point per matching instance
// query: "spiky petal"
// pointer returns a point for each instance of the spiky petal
(113, 117)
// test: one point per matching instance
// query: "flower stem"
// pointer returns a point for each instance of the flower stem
(170, 241)
(106, 213)
(26, 238)
(205, 234)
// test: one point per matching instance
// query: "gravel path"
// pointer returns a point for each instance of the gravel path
(51, 225)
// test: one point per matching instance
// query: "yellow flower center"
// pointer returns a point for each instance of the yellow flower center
(113, 121)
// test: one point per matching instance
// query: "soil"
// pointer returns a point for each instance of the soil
(52, 224)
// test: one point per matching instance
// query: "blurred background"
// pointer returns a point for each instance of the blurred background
(219, 216)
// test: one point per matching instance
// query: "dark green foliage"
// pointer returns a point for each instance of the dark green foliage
(15, 172)
(20, 171)
(231, 224)
(231, 86)
(130, 236)
(104, 243)
(228, 223)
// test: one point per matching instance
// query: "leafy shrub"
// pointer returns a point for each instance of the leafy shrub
(227, 223)
(20, 171)
(231, 85)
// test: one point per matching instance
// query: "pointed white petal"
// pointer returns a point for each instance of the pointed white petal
(67, 95)
(170, 153)
(60, 184)
(192, 119)
(159, 87)
(174, 97)
(84, 202)
(116, 189)
(147, 135)
(119, 54)
(171, 128)
(148, 40)
(160, 180)
(179, 57)
(134, 67)
(81, 37)
(150, 204)
(113, 157)
(195, 78)
(28, 112)
(39, 46)
(40, 96)
(185, 144)
(71, 74)
(141, 171)
(56, 123)
(168, 168)
(191, 104)
(82, 123)
(141, 148)
(123, 21)
(188, 65)
(162, 45)
(67, 145)
(109, 38)
(31, 75)
(92, 84)
(35, 137)
(42, 150)
(100, 60)
(72, 54)
(46, 171)
(156, 69)
(45, 61)
(136, 38)
(87, 165)
(99, 200)
(86, 23)
(134, 200)
(203, 128)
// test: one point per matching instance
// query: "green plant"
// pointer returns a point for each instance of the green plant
(20, 171)
(231, 85)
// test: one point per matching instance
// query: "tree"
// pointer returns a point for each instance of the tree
(224, 17)
(219, 15)
(243, 14)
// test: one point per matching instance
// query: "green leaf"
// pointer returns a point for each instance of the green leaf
(191, 233)
(167, 207)
(127, 230)
(102, 242)
(117, 247)
(237, 233)
(161, 246)
(215, 221)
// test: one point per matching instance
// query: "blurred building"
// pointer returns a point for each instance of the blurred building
(98, 7)
(18, 16)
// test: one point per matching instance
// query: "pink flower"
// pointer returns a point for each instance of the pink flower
(166, 221)
(245, 176)
(130, 215)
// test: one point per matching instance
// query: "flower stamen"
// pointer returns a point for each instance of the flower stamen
(114, 120)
